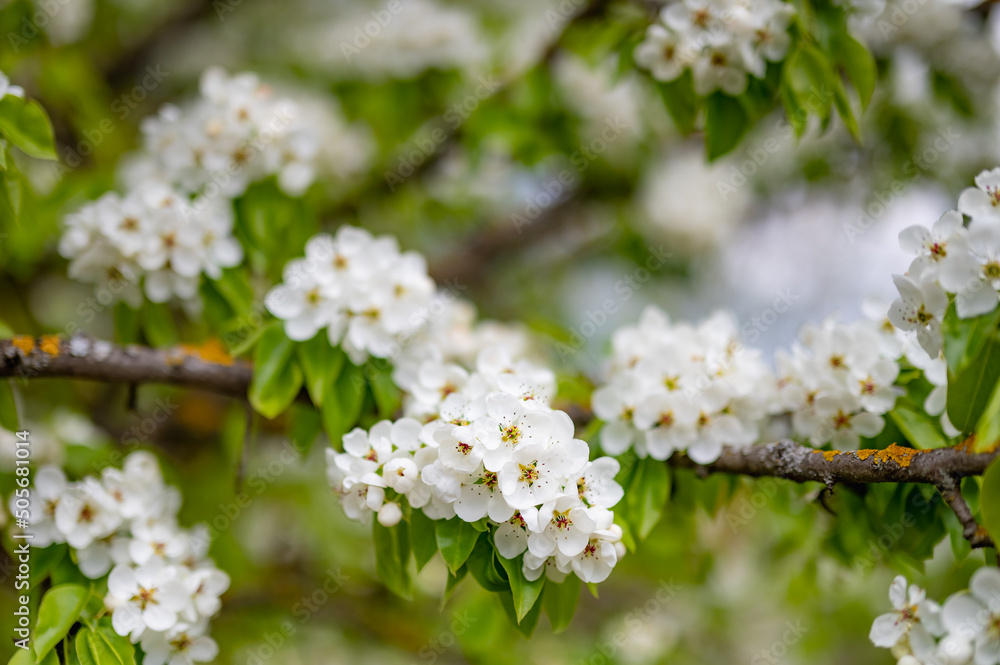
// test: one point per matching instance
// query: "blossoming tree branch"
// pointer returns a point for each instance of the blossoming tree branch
(227, 259)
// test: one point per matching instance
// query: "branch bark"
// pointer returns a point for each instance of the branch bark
(209, 368)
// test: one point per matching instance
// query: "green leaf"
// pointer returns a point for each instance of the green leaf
(277, 378)
(560, 602)
(482, 564)
(158, 324)
(25, 124)
(423, 538)
(794, 111)
(321, 364)
(306, 426)
(681, 101)
(810, 77)
(25, 657)
(527, 623)
(392, 558)
(43, 560)
(920, 429)
(8, 407)
(455, 538)
(342, 412)
(988, 427)
(844, 109)
(646, 496)
(524, 592)
(964, 338)
(59, 610)
(726, 122)
(388, 396)
(127, 321)
(969, 391)
(858, 63)
(102, 646)
(989, 502)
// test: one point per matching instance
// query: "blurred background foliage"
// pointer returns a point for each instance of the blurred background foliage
(737, 570)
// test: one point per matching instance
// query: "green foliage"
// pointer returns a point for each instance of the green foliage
(25, 124)
(456, 539)
(810, 82)
(524, 592)
(392, 557)
(969, 389)
(647, 487)
(990, 501)
(59, 610)
(101, 645)
(277, 379)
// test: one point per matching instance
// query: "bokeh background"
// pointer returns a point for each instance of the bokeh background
(737, 571)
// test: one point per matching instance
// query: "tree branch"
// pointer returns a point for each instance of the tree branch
(952, 494)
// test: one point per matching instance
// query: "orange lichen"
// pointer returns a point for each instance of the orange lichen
(25, 343)
(898, 454)
(49, 344)
(828, 455)
(865, 454)
(211, 351)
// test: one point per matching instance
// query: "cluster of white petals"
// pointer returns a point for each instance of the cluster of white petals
(838, 381)
(479, 440)
(964, 630)
(720, 41)
(370, 297)
(952, 259)
(677, 386)
(174, 223)
(235, 133)
(152, 240)
(162, 587)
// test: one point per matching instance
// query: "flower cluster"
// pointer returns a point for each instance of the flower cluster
(921, 632)
(721, 41)
(837, 382)
(951, 259)
(368, 295)
(162, 588)
(175, 221)
(677, 386)
(235, 133)
(482, 442)
(154, 236)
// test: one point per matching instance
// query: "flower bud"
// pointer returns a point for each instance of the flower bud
(390, 514)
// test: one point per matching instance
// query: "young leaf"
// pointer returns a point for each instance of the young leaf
(969, 391)
(989, 502)
(158, 324)
(964, 338)
(276, 376)
(392, 558)
(388, 396)
(59, 610)
(525, 592)
(859, 64)
(527, 623)
(560, 602)
(482, 564)
(920, 429)
(646, 496)
(681, 102)
(455, 538)
(342, 407)
(423, 538)
(726, 122)
(24, 123)
(321, 364)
